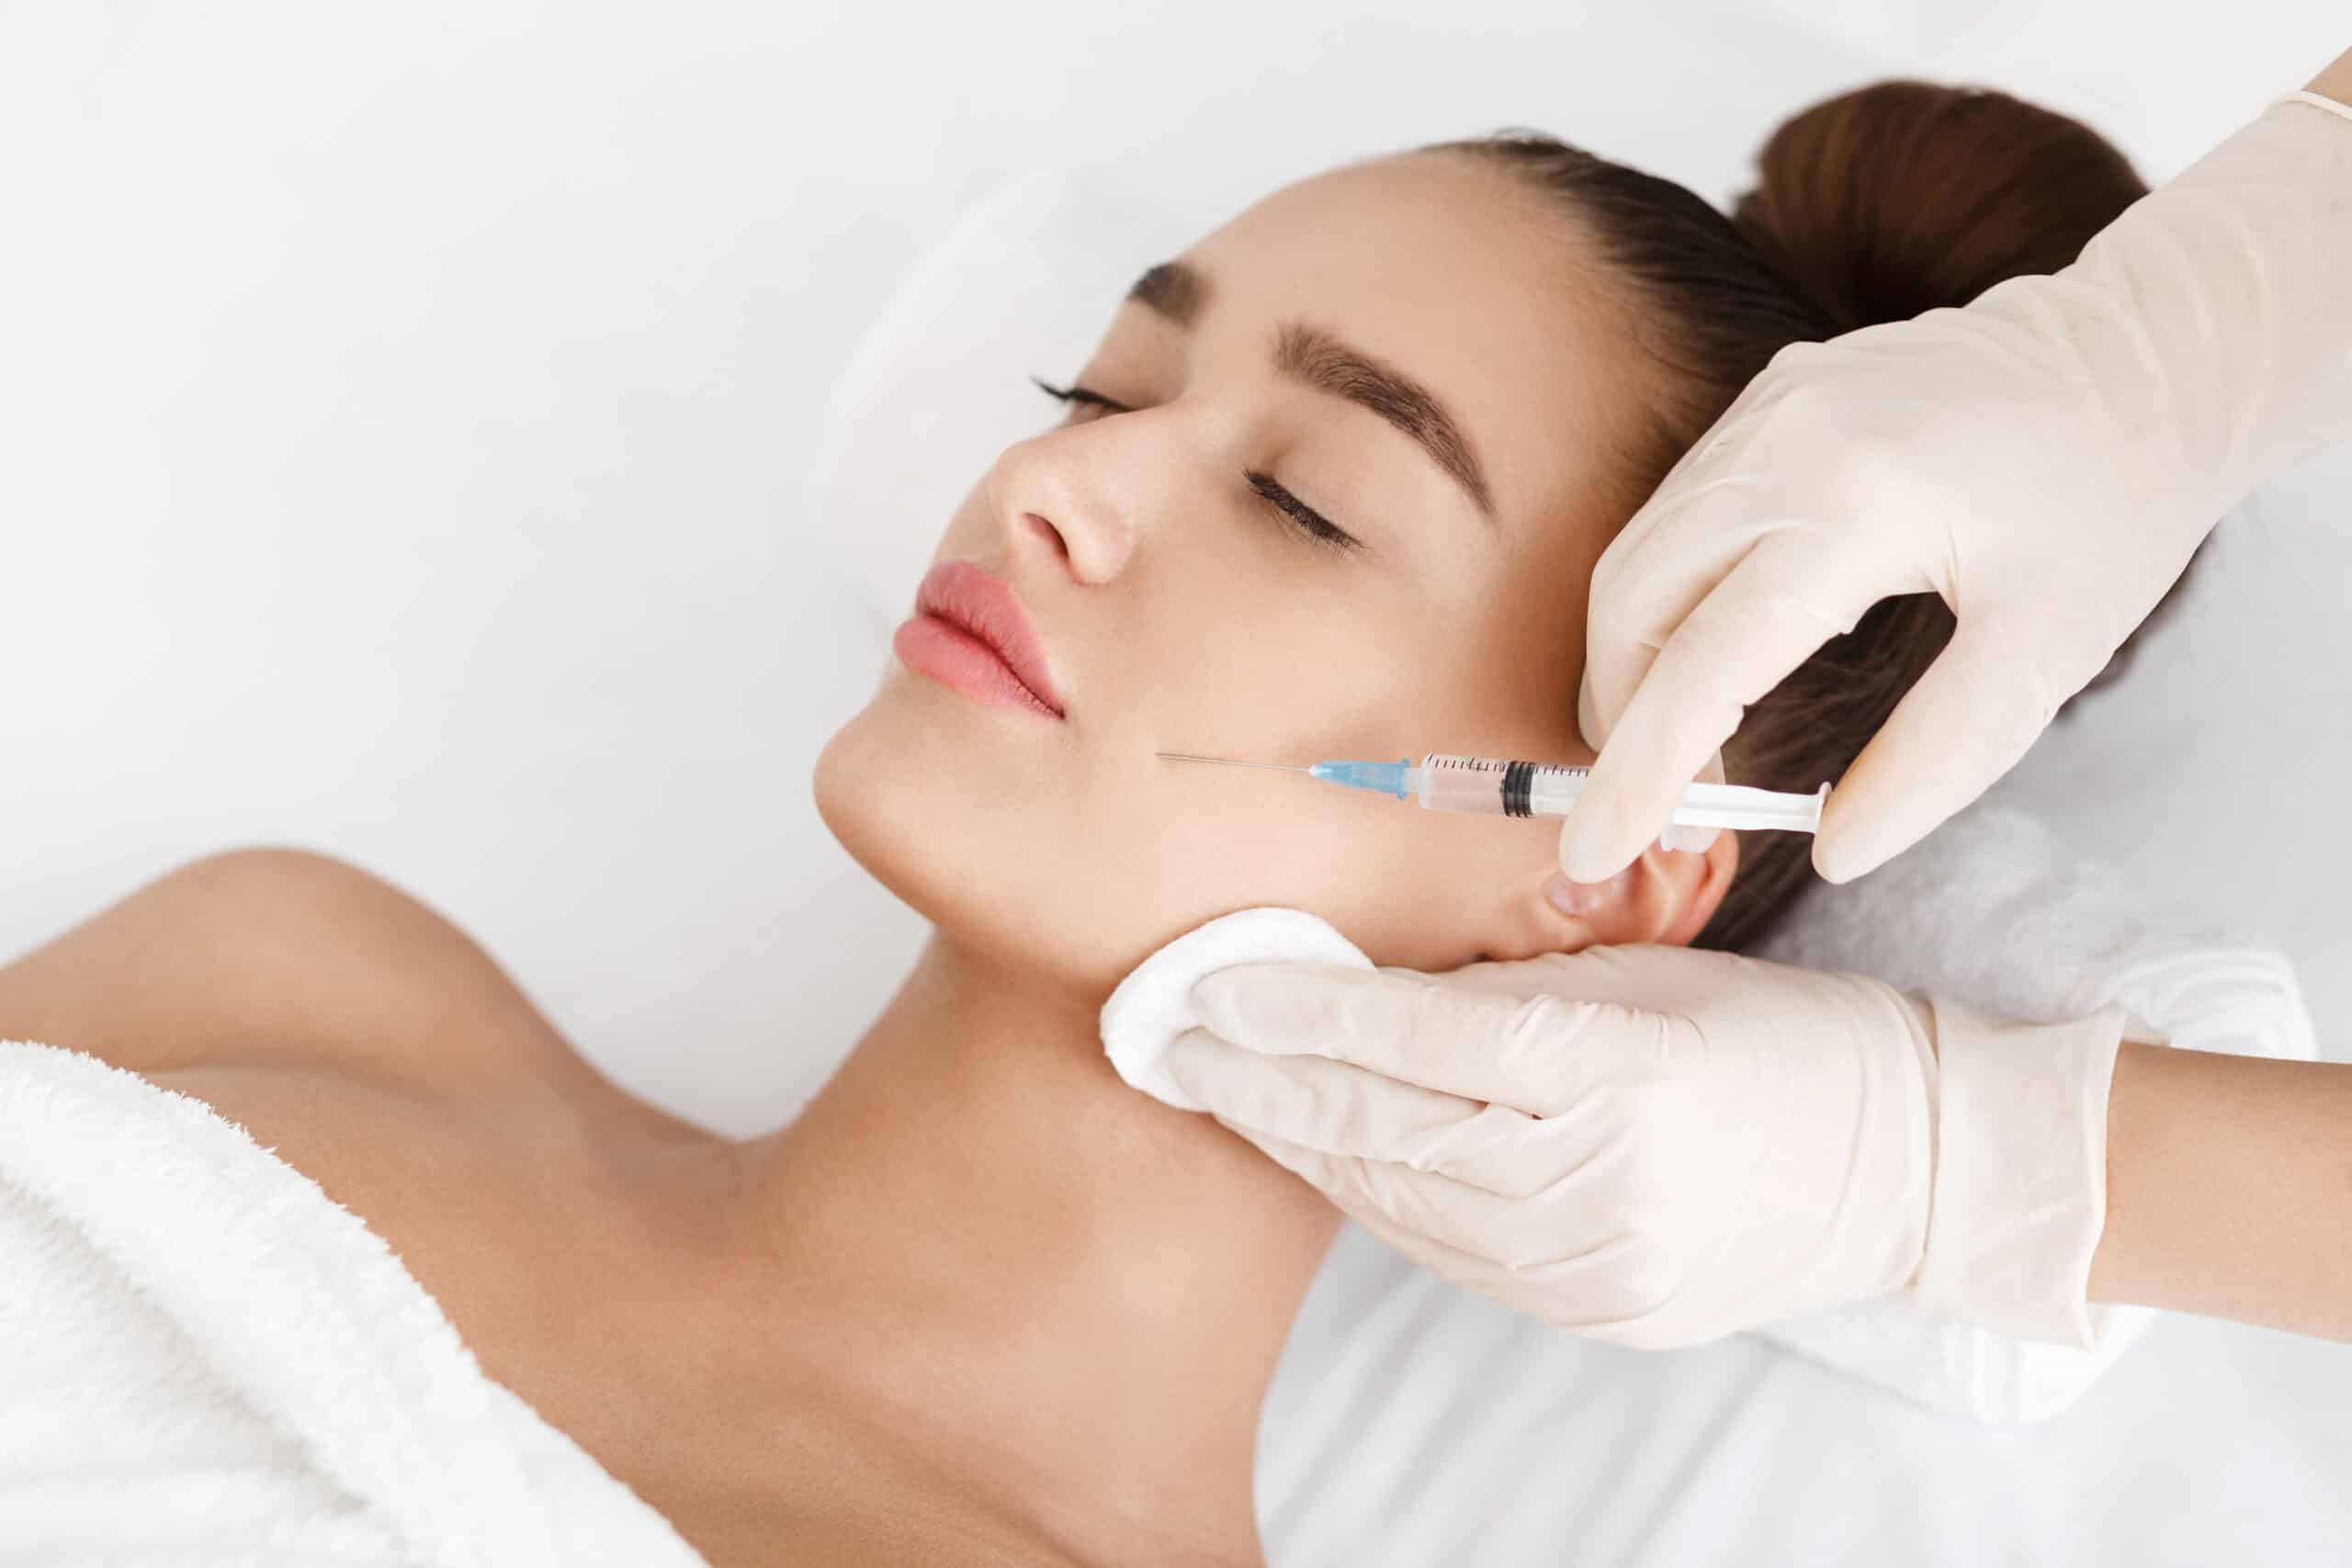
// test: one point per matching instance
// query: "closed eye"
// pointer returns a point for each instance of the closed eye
(1309, 521)
(1317, 527)
(1075, 394)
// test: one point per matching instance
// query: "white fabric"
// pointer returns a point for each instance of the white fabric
(206, 1361)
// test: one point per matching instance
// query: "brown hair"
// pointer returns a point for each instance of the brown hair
(1874, 205)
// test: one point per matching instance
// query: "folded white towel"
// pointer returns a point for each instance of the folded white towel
(1991, 910)
(206, 1361)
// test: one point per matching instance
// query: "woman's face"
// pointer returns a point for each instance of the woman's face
(1418, 354)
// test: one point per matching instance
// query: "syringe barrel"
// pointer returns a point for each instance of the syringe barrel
(1493, 786)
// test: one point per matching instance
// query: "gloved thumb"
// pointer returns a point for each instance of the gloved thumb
(1672, 836)
(1592, 723)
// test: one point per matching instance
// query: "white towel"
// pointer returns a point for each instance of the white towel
(1992, 909)
(205, 1360)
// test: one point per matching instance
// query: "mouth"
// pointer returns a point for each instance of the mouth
(969, 632)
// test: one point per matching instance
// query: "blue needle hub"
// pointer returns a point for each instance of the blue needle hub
(1386, 778)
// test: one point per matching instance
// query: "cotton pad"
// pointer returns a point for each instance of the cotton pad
(1154, 1004)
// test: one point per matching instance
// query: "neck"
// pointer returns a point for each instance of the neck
(1069, 1290)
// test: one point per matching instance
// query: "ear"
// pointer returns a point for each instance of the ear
(1666, 897)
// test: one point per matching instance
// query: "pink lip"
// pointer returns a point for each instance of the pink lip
(969, 632)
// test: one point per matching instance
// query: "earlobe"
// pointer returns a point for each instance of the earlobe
(1666, 897)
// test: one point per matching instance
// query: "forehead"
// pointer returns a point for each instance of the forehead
(1478, 287)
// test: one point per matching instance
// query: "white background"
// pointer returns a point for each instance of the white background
(405, 410)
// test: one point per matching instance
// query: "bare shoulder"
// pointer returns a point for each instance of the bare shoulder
(279, 955)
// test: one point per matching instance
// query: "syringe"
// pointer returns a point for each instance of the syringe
(1496, 788)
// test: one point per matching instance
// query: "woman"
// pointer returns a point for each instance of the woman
(1321, 490)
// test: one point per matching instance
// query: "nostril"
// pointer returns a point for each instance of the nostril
(1052, 535)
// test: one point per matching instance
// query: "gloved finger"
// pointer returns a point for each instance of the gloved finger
(1977, 710)
(1697, 840)
(1644, 977)
(1597, 1283)
(1637, 658)
(1344, 1182)
(1635, 602)
(1332, 1106)
(1671, 555)
(1346, 1111)
(1536, 1053)
(1764, 619)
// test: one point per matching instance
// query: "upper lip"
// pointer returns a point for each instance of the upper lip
(963, 595)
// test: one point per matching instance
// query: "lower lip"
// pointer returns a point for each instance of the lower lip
(953, 657)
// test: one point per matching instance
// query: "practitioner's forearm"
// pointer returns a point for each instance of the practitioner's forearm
(2229, 1179)
(2229, 1188)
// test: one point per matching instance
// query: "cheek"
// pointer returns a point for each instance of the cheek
(1056, 867)
(1064, 853)
(1411, 887)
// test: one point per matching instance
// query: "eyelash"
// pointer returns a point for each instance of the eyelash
(1313, 523)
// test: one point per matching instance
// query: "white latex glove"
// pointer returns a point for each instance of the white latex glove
(2046, 458)
(1660, 1145)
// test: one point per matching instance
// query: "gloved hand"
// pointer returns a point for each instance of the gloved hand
(1660, 1145)
(2046, 458)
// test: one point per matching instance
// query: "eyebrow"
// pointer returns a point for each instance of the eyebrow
(1307, 354)
(1176, 289)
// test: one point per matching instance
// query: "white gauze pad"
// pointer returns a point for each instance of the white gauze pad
(1154, 1004)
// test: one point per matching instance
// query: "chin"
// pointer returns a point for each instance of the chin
(861, 794)
(930, 820)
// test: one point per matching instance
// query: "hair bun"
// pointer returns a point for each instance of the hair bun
(1905, 196)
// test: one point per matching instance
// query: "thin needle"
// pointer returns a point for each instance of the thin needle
(1231, 763)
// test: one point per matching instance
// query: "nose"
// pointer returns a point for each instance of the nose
(1061, 505)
